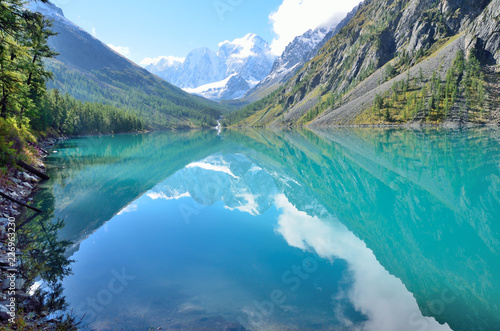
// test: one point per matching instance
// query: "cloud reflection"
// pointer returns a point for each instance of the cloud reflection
(378, 295)
(233, 179)
(128, 209)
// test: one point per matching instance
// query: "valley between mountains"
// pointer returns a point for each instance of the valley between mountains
(232, 187)
(387, 62)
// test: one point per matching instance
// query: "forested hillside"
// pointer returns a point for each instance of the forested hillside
(26, 108)
(90, 71)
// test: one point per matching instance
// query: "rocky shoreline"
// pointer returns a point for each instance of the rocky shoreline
(15, 296)
(22, 183)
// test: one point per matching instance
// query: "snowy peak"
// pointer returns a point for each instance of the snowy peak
(202, 66)
(242, 48)
(164, 61)
(297, 53)
(47, 9)
(249, 57)
(233, 87)
(223, 75)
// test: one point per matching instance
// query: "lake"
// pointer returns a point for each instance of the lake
(340, 229)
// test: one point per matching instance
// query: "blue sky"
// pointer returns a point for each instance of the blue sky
(153, 28)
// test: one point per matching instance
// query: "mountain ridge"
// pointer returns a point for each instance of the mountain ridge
(384, 40)
(205, 72)
(297, 53)
(91, 71)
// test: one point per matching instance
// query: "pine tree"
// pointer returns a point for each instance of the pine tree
(38, 30)
(23, 42)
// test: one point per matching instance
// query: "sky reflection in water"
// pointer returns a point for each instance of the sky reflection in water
(258, 230)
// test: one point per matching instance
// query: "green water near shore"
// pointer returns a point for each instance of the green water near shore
(372, 229)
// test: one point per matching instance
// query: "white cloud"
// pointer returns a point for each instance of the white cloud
(125, 51)
(171, 60)
(295, 17)
(94, 32)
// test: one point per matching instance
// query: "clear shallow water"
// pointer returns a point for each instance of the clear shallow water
(275, 230)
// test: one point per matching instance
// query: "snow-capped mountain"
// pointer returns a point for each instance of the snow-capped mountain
(201, 66)
(92, 71)
(233, 87)
(295, 55)
(300, 51)
(47, 9)
(165, 65)
(229, 73)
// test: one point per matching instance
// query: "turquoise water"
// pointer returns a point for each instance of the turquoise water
(347, 229)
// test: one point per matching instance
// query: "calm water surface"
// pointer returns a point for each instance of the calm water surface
(366, 229)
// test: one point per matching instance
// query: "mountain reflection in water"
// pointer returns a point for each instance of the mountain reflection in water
(402, 225)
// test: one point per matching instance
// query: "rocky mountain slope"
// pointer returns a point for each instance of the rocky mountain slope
(223, 75)
(295, 55)
(388, 53)
(300, 51)
(90, 71)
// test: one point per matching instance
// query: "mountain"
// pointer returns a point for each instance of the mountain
(295, 55)
(300, 51)
(89, 70)
(227, 74)
(201, 66)
(396, 61)
(230, 88)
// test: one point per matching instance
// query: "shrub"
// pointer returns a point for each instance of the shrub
(14, 139)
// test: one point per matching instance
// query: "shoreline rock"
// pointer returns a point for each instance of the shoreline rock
(21, 186)
(22, 183)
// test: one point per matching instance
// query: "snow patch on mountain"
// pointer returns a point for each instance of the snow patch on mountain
(163, 61)
(51, 11)
(227, 74)
(233, 87)
(297, 53)
(241, 47)
(47, 9)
